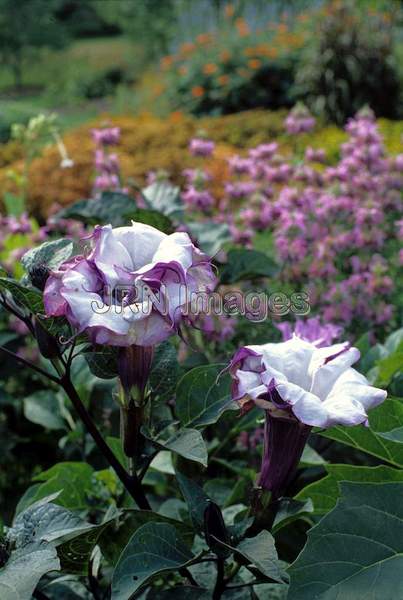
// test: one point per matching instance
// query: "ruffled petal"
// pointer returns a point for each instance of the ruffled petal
(328, 364)
(305, 406)
(291, 358)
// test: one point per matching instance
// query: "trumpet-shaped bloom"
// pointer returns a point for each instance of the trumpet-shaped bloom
(298, 381)
(132, 288)
(299, 386)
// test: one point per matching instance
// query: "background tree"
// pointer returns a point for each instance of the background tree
(26, 26)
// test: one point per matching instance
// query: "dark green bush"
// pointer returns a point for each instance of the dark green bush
(349, 62)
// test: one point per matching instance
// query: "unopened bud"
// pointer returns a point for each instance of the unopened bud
(217, 536)
(39, 275)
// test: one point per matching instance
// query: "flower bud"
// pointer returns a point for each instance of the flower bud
(215, 530)
(38, 276)
(47, 344)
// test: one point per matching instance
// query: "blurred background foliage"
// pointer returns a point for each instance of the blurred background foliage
(199, 56)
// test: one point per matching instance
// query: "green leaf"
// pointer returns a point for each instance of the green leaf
(394, 342)
(311, 458)
(211, 237)
(42, 408)
(325, 492)
(196, 499)
(188, 443)
(388, 367)
(261, 553)
(202, 396)
(356, 550)
(73, 479)
(395, 435)
(116, 209)
(51, 254)
(75, 554)
(155, 548)
(290, 510)
(27, 297)
(387, 416)
(115, 540)
(102, 361)
(34, 537)
(20, 576)
(164, 371)
(164, 198)
(247, 264)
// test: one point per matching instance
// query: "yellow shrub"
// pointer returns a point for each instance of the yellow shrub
(149, 143)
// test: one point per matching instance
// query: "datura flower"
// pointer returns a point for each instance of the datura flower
(132, 288)
(299, 386)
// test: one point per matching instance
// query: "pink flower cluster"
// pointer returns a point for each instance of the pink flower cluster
(196, 195)
(335, 228)
(299, 120)
(107, 166)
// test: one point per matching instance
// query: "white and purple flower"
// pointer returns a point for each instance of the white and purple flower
(132, 288)
(299, 386)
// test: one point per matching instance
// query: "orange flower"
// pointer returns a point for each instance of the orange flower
(204, 38)
(183, 70)
(223, 79)
(243, 72)
(210, 69)
(197, 91)
(166, 62)
(229, 11)
(250, 51)
(176, 116)
(254, 63)
(225, 56)
(187, 47)
(242, 27)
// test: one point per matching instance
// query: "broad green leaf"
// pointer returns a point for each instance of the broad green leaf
(186, 442)
(356, 550)
(42, 408)
(75, 554)
(34, 537)
(72, 479)
(102, 361)
(325, 492)
(387, 416)
(203, 395)
(164, 371)
(116, 539)
(154, 548)
(196, 499)
(27, 297)
(290, 510)
(180, 593)
(311, 458)
(394, 342)
(50, 254)
(261, 553)
(116, 209)
(21, 574)
(115, 444)
(388, 367)
(247, 264)
(211, 237)
(164, 198)
(395, 435)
